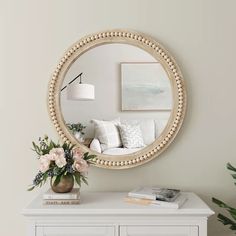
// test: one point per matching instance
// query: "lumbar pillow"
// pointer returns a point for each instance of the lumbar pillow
(131, 136)
(107, 133)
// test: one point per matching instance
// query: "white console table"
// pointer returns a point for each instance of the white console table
(106, 214)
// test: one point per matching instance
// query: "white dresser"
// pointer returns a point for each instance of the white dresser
(106, 214)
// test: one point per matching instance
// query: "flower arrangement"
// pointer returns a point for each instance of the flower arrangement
(57, 161)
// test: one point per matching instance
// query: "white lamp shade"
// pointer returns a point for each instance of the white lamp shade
(83, 92)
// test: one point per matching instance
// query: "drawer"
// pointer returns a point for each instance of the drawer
(75, 231)
(159, 230)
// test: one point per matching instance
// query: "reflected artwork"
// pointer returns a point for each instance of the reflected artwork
(145, 86)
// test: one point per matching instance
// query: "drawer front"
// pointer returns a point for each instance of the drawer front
(75, 231)
(159, 231)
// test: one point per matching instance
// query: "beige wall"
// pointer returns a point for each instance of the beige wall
(199, 33)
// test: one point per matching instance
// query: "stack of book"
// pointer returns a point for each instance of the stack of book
(52, 198)
(160, 197)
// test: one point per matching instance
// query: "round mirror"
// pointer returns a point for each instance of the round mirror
(118, 95)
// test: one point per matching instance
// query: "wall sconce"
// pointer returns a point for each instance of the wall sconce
(79, 91)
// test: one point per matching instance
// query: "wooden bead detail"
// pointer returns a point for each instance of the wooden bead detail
(132, 38)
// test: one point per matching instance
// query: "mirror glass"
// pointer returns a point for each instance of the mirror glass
(132, 103)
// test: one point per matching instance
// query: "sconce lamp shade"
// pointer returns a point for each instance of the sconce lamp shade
(78, 91)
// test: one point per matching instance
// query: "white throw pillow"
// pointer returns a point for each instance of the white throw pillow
(147, 127)
(95, 145)
(107, 133)
(131, 136)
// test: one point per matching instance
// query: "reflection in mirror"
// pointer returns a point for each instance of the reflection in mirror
(132, 104)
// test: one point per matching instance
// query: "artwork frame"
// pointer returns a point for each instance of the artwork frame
(142, 89)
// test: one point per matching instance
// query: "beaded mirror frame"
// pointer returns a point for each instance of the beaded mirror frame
(157, 51)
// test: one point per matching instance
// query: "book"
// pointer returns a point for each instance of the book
(179, 201)
(61, 202)
(73, 195)
(155, 193)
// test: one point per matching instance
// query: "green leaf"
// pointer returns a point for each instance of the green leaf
(36, 149)
(57, 180)
(231, 210)
(222, 204)
(45, 176)
(77, 178)
(31, 188)
(226, 221)
(230, 167)
(84, 179)
(233, 213)
(86, 155)
(51, 145)
(234, 176)
(91, 157)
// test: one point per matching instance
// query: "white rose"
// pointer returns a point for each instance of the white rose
(60, 162)
(44, 163)
(58, 155)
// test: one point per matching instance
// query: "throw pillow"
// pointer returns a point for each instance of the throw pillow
(147, 127)
(107, 133)
(95, 145)
(131, 136)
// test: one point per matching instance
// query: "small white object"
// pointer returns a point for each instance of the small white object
(95, 145)
(83, 92)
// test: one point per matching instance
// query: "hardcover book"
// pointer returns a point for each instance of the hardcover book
(155, 193)
(179, 201)
(73, 195)
(61, 202)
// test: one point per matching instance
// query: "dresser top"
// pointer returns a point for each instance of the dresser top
(112, 203)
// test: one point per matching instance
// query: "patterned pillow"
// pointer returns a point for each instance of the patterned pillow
(131, 136)
(107, 133)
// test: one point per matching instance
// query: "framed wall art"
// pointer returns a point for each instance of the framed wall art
(145, 86)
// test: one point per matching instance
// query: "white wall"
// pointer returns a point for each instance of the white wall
(199, 33)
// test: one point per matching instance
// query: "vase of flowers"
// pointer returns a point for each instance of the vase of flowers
(63, 163)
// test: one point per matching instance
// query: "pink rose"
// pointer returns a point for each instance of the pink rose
(81, 166)
(50, 157)
(77, 154)
(44, 163)
(58, 155)
(60, 162)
